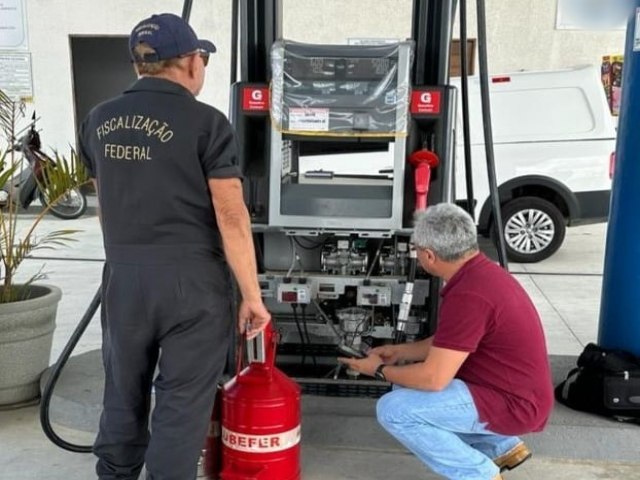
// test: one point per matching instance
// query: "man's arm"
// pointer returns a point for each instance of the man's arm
(404, 352)
(235, 228)
(416, 351)
(433, 374)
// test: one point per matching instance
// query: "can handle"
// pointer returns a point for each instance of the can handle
(262, 348)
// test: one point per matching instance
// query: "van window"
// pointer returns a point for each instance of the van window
(541, 114)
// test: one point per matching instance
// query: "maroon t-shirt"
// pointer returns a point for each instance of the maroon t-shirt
(486, 312)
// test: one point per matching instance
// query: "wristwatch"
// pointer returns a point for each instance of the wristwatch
(379, 374)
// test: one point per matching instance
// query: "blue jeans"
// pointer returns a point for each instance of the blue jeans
(444, 431)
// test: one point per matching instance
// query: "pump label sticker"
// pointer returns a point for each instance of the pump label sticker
(309, 119)
(277, 442)
(255, 99)
(636, 37)
(425, 102)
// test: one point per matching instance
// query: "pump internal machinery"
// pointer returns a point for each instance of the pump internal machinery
(339, 145)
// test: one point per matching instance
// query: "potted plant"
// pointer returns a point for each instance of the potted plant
(27, 309)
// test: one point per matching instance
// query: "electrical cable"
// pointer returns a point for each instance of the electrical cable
(355, 332)
(47, 392)
(293, 258)
(326, 318)
(303, 309)
(375, 260)
(294, 307)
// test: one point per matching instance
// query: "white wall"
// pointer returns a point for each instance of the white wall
(521, 33)
(522, 36)
(50, 22)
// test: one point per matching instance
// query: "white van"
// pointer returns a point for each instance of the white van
(554, 141)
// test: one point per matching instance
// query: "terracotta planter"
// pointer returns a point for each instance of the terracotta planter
(26, 335)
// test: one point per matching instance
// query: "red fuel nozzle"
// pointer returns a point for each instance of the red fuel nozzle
(423, 160)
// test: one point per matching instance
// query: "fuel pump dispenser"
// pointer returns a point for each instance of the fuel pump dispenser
(340, 145)
(324, 132)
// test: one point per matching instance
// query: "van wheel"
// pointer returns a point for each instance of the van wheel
(533, 229)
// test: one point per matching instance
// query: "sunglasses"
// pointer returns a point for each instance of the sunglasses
(204, 55)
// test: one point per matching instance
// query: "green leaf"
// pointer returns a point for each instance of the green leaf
(60, 175)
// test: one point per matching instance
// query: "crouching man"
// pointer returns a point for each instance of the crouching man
(463, 396)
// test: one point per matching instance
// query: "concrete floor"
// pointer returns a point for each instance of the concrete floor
(565, 288)
(25, 454)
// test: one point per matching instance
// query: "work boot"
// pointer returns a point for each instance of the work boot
(498, 477)
(513, 458)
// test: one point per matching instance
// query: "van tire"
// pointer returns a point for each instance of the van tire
(533, 229)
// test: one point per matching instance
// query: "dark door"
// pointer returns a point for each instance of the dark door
(101, 69)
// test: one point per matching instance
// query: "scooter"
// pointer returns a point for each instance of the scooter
(27, 184)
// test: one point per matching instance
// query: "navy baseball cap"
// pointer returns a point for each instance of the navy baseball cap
(169, 35)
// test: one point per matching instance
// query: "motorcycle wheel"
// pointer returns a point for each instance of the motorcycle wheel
(72, 205)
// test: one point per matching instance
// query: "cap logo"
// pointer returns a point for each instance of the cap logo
(147, 26)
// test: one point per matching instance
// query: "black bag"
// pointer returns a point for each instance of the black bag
(606, 382)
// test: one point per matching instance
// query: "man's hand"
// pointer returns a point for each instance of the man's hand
(366, 366)
(390, 354)
(253, 317)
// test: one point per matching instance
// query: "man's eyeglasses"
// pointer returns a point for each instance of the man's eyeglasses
(204, 55)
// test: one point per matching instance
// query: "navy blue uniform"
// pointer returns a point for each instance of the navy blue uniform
(167, 297)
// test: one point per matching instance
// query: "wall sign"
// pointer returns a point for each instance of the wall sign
(13, 24)
(593, 14)
(15, 75)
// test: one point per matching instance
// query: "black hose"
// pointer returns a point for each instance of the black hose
(47, 392)
(186, 9)
(466, 129)
(234, 42)
(488, 133)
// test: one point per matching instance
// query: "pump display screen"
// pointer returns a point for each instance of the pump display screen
(323, 68)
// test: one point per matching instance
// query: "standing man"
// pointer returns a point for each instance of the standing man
(483, 378)
(168, 183)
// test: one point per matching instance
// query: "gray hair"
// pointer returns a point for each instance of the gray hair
(447, 230)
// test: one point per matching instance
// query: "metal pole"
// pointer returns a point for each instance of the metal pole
(620, 306)
(488, 132)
